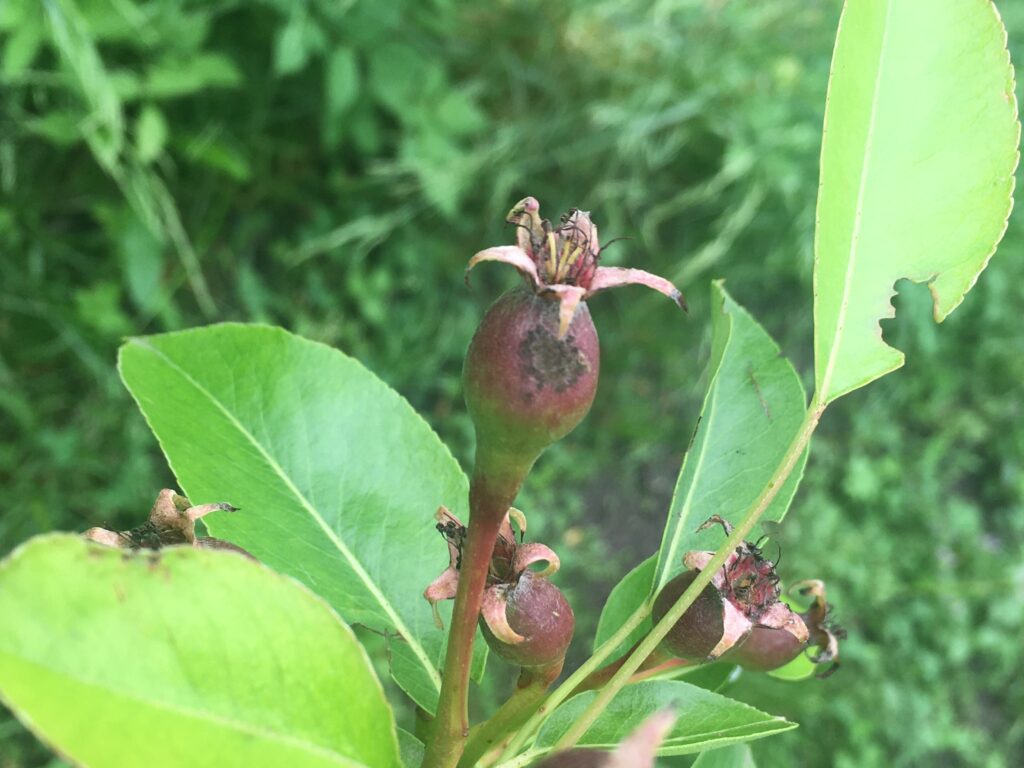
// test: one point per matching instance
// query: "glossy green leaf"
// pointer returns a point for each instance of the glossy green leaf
(626, 597)
(735, 756)
(706, 719)
(337, 477)
(410, 748)
(917, 161)
(188, 657)
(753, 408)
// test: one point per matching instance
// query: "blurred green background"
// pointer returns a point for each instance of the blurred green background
(330, 165)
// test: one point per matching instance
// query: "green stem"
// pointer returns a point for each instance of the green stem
(657, 662)
(524, 701)
(571, 683)
(739, 534)
(495, 483)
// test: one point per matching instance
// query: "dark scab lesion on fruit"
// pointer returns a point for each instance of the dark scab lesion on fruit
(548, 361)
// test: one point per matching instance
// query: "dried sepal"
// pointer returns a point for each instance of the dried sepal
(615, 277)
(528, 554)
(825, 632)
(735, 628)
(513, 256)
(171, 522)
(446, 585)
(494, 613)
(569, 298)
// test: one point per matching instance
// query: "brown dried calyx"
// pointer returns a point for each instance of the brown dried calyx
(172, 521)
(638, 750)
(739, 616)
(524, 618)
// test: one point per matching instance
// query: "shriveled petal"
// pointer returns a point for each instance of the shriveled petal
(736, 626)
(612, 277)
(639, 748)
(781, 616)
(493, 612)
(569, 297)
(528, 554)
(509, 254)
(443, 587)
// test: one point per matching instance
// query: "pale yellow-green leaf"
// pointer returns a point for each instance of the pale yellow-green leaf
(919, 149)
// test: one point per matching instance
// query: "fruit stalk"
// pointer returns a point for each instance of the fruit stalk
(531, 689)
(492, 490)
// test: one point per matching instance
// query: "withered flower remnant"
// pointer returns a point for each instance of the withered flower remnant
(739, 616)
(562, 262)
(172, 521)
(525, 618)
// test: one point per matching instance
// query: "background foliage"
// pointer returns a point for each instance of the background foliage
(329, 167)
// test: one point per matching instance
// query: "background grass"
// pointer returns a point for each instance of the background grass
(330, 166)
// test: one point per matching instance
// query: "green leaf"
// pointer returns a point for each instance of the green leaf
(150, 134)
(706, 719)
(917, 161)
(337, 477)
(293, 45)
(104, 123)
(735, 756)
(629, 594)
(753, 407)
(172, 77)
(20, 49)
(186, 657)
(341, 86)
(410, 748)
(341, 80)
(400, 79)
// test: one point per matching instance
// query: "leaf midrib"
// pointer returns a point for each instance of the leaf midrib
(826, 378)
(187, 712)
(354, 563)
